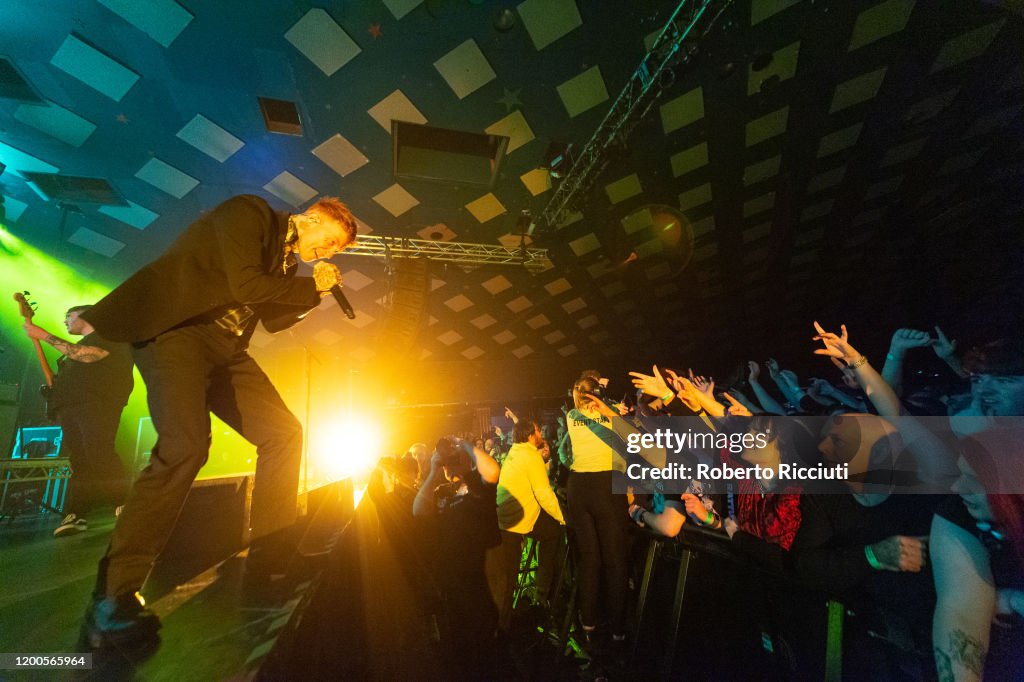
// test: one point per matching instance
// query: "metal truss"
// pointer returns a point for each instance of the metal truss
(642, 89)
(460, 253)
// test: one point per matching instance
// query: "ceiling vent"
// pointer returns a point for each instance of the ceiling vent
(280, 116)
(72, 189)
(14, 86)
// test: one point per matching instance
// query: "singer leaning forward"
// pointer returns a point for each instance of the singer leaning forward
(189, 316)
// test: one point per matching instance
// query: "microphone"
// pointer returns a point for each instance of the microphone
(343, 303)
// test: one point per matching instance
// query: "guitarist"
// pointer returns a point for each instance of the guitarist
(89, 391)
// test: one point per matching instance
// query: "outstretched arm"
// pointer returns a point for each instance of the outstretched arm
(76, 352)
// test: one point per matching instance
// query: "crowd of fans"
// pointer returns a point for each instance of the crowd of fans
(923, 542)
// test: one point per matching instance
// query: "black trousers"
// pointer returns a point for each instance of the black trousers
(189, 372)
(98, 476)
(549, 535)
(599, 518)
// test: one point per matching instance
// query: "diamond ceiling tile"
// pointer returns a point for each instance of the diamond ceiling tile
(319, 38)
(624, 188)
(340, 155)
(825, 180)
(682, 111)
(518, 305)
(514, 241)
(96, 242)
(809, 237)
(57, 122)
(161, 20)
(600, 337)
(703, 226)
(587, 322)
(767, 126)
(903, 152)
(554, 337)
(361, 320)
(17, 160)
(210, 138)
(497, 284)
(650, 247)
(516, 129)
(613, 288)
(465, 69)
(597, 269)
(504, 337)
(458, 303)
(15, 208)
(169, 179)
(559, 286)
(574, 305)
(566, 351)
(930, 107)
(81, 60)
(536, 181)
(818, 210)
(355, 280)
(436, 233)
(395, 106)
(880, 21)
(765, 9)
(839, 140)
(758, 204)
(857, 90)
(483, 321)
(522, 352)
(399, 8)
(396, 200)
(137, 216)
(485, 208)
(472, 353)
(967, 46)
(583, 92)
(362, 354)
(689, 159)
(782, 65)
(585, 244)
(762, 170)
(436, 283)
(538, 321)
(449, 337)
(290, 189)
(548, 20)
(698, 196)
(884, 187)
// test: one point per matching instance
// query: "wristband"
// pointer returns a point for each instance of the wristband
(667, 397)
(872, 559)
(862, 360)
(709, 519)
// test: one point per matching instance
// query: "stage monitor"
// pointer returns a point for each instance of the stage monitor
(457, 157)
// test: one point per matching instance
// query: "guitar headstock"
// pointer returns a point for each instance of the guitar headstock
(26, 308)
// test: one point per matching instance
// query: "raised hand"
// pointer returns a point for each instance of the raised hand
(773, 367)
(736, 408)
(685, 391)
(942, 346)
(835, 346)
(652, 384)
(325, 275)
(754, 372)
(705, 386)
(849, 377)
(597, 405)
(905, 339)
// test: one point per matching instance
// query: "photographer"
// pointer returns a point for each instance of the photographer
(457, 503)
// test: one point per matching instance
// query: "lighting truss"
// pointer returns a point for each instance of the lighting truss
(460, 253)
(642, 89)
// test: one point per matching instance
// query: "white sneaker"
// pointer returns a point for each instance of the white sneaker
(71, 525)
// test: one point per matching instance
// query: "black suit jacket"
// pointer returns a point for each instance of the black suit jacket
(232, 255)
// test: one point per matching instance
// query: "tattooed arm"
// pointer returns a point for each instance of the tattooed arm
(75, 352)
(966, 602)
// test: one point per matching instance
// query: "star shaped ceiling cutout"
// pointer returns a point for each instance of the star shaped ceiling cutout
(375, 31)
(121, 118)
(511, 99)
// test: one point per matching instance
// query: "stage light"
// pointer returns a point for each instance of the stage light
(349, 447)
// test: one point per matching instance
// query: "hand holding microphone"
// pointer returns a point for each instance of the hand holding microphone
(327, 277)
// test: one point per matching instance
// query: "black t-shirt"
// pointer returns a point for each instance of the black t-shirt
(828, 553)
(108, 380)
(466, 526)
(1006, 570)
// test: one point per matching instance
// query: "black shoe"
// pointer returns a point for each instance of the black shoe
(118, 621)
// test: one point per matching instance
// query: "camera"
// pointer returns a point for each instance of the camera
(448, 451)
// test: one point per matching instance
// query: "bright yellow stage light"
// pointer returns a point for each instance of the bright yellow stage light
(346, 448)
